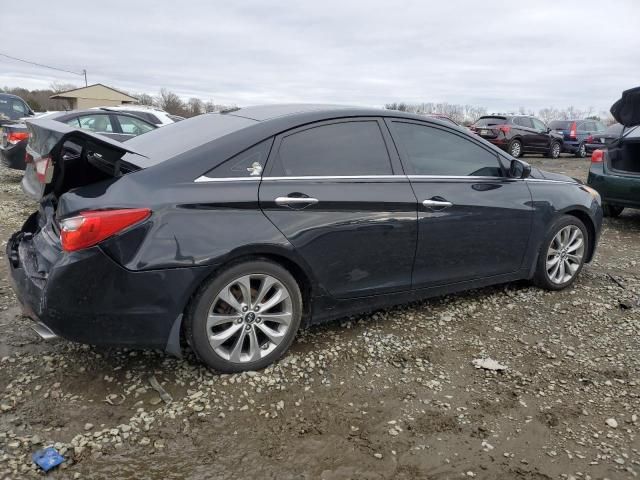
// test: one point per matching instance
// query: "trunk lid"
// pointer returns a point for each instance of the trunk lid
(60, 158)
(626, 110)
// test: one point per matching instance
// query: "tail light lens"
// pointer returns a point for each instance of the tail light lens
(15, 137)
(573, 133)
(597, 156)
(44, 169)
(92, 227)
(504, 129)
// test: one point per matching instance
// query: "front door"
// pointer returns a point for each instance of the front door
(341, 199)
(473, 221)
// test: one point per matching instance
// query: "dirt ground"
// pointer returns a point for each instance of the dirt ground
(390, 395)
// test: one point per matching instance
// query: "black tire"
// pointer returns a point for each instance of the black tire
(196, 321)
(582, 151)
(611, 210)
(541, 277)
(554, 150)
(515, 148)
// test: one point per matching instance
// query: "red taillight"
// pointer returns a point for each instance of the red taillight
(504, 129)
(15, 137)
(597, 156)
(573, 133)
(44, 169)
(91, 227)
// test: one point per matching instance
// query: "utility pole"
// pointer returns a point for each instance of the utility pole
(84, 71)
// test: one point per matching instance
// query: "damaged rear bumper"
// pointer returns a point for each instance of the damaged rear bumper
(87, 297)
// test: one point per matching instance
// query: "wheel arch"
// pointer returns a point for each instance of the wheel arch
(588, 222)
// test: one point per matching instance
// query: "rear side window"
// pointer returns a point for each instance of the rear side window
(94, 123)
(249, 163)
(490, 121)
(523, 122)
(432, 151)
(338, 149)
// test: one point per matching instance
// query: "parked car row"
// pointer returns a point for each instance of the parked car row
(119, 123)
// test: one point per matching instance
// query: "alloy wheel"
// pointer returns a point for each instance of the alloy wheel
(565, 254)
(555, 150)
(583, 150)
(516, 149)
(249, 318)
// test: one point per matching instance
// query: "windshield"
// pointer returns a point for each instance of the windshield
(490, 121)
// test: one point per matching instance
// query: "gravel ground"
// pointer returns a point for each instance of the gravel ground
(393, 394)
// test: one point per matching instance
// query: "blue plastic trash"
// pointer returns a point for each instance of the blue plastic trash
(47, 458)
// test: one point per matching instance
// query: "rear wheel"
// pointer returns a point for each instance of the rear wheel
(246, 317)
(554, 150)
(611, 210)
(515, 148)
(582, 151)
(563, 253)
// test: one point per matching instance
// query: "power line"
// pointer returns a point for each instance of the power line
(84, 72)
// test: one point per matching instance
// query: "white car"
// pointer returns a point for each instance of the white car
(151, 114)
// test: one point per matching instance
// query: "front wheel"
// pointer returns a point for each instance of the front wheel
(562, 254)
(246, 317)
(515, 148)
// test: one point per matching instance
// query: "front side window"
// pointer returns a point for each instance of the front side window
(433, 151)
(133, 126)
(337, 149)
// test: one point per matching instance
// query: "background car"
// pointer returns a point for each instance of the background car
(120, 126)
(578, 135)
(612, 132)
(518, 134)
(615, 172)
(154, 115)
(13, 108)
(235, 229)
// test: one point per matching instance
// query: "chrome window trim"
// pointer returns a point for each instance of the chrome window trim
(205, 179)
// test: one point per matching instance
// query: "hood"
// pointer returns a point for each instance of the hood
(626, 111)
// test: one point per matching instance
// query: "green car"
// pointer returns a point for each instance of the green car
(615, 170)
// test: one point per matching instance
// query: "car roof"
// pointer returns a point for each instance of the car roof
(9, 95)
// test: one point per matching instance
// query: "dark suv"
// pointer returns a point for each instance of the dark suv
(13, 108)
(579, 136)
(518, 134)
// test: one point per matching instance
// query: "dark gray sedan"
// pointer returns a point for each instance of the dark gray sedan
(232, 230)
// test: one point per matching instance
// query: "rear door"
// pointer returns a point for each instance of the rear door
(473, 221)
(337, 192)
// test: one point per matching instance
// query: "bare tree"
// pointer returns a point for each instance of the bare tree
(170, 102)
(195, 106)
(144, 99)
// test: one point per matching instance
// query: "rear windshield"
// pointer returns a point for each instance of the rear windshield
(490, 121)
(560, 125)
(167, 142)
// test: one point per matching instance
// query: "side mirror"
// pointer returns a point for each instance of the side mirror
(519, 169)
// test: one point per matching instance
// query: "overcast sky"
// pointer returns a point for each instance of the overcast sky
(501, 55)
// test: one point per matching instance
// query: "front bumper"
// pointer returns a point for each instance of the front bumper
(87, 297)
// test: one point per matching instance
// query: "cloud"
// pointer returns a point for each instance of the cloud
(498, 54)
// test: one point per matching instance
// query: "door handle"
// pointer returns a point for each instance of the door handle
(296, 201)
(437, 203)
